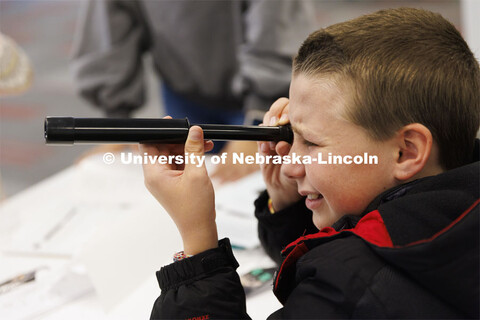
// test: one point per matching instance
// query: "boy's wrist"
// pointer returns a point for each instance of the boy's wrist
(200, 239)
(188, 270)
(281, 202)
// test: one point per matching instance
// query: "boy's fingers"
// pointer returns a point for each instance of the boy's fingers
(279, 105)
(263, 147)
(148, 169)
(284, 116)
(208, 145)
(266, 119)
(283, 148)
(195, 145)
(274, 116)
(154, 151)
(148, 148)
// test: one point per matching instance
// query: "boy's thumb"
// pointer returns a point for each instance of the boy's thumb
(194, 144)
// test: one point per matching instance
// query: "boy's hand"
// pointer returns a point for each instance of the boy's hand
(281, 189)
(185, 191)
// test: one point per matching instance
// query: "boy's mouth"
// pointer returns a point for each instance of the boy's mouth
(313, 200)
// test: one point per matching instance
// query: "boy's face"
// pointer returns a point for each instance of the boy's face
(333, 190)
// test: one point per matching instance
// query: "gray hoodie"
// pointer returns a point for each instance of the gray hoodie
(224, 54)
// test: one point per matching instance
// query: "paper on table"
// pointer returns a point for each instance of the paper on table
(235, 210)
(125, 233)
(50, 289)
(26, 217)
(80, 200)
(119, 259)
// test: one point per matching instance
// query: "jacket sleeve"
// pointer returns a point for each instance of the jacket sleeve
(273, 33)
(205, 286)
(277, 230)
(107, 66)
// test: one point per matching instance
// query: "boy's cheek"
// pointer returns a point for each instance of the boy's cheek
(325, 217)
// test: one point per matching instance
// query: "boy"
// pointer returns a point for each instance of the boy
(397, 239)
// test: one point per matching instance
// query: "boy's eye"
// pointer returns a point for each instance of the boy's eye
(309, 144)
(302, 140)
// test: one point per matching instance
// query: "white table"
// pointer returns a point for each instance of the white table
(98, 237)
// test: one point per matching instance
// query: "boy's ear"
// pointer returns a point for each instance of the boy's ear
(415, 143)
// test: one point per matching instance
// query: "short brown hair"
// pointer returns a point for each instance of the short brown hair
(404, 66)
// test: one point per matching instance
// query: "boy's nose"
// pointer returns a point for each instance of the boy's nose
(293, 170)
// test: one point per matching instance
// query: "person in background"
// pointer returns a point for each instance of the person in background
(219, 61)
(16, 73)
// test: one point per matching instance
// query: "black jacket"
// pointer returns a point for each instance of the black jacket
(414, 254)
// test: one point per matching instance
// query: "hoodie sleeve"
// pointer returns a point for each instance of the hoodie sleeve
(273, 33)
(205, 286)
(277, 230)
(107, 56)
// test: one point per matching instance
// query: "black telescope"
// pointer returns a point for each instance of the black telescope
(68, 130)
